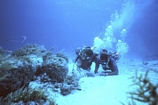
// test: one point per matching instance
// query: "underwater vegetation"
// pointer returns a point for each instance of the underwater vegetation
(14, 76)
(33, 63)
(27, 96)
(145, 91)
(71, 83)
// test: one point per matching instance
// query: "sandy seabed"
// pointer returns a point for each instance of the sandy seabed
(109, 90)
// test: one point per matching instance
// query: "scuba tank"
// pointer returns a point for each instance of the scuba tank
(86, 53)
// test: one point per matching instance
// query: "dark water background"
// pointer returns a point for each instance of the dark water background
(68, 24)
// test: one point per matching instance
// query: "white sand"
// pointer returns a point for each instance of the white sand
(109, 90)
(98, 91)
(106, 90)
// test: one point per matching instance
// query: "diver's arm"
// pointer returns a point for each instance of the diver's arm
(113, 67)
(76, 59)
(96, 65)
(113, 73)
(96, 68)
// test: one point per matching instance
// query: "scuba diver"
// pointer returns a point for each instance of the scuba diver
(108, 62)
(85, 57)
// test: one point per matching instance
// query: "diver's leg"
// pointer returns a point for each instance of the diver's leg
(113, 67)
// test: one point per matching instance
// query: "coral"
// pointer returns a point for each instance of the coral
(7, 65)
(31, 62)
(13, 79)
(27, 95)
(145, 91)
(3, 76)
(54, 66)
(14, 73)
(52, 73)
(44, 62)
(71, 83)
(30, 49)
(30, 54)
(4, 54)
(62, 55)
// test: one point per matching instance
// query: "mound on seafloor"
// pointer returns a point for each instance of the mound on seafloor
(57, 81)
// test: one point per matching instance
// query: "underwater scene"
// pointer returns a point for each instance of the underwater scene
(78, 52)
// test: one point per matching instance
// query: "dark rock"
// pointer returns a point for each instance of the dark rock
(15, 79)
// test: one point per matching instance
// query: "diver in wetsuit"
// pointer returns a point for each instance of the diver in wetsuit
(108, 62)
(85, 57)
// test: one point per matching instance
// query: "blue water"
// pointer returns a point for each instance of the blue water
(68, 24)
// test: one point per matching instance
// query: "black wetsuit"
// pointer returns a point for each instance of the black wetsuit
(86, 64)
(109, 63)
(111, 66)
